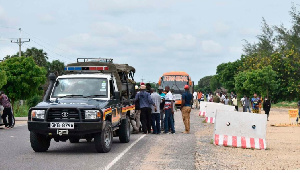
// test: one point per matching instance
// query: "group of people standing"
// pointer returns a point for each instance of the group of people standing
(156, 110)
(255, 103)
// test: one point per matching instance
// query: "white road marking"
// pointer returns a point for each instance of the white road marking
(124, 152)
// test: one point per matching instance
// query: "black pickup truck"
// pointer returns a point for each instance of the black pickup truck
(91, 101)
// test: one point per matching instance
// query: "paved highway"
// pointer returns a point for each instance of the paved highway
(164, 151)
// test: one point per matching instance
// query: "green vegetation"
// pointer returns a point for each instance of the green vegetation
(22, 111)
(25, 77)
(269, 67)
(286, 104)
(3, 78)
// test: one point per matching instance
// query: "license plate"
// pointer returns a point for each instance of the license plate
(61, 125)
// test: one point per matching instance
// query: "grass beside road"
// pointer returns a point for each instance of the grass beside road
(285, 104)
(20, 110)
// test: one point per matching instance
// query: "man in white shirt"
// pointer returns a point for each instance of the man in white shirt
(169, 110)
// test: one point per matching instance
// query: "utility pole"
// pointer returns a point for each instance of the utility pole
(20, 42)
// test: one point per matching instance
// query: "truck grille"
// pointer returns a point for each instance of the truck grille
(56, 115)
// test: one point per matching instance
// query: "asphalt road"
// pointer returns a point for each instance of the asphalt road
(154, 152)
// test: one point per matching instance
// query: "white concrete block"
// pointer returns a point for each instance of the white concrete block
(240, 129)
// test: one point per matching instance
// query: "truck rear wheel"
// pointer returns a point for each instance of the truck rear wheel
(39, 142)
(103, 140)
(124, 131)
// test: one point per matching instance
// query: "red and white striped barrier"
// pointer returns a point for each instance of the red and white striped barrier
(202, 113)
(240, 129)
(241, 142)
(210, 120)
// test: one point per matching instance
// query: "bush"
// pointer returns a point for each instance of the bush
(33, 101)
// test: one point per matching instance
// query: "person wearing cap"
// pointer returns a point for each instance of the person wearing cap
(169, 110)
(186, 101)
(145, 102)
(162, 113)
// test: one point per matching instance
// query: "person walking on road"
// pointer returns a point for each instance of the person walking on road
(169, 110)
(226, 100)
(195, 95)
(145, 105)
(155, 114)
(267, 107)
(247, 104)
(4, 101)
(186, 108)
(199, 96)
(235, 104)
(162, 105)
(255, 104)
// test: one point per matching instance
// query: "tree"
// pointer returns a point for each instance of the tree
(204, 84)
(226, 73)
(3, 78)
(56, 67)
(24, 77)
(214, 83)
(40, 57)
(263, 81)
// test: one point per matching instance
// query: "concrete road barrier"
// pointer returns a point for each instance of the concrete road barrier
(202, 109)
(240, 129)
(211, 111)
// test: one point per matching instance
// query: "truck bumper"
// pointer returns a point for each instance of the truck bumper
(80, 128)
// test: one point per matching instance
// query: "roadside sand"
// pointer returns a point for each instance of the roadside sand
(283, 149)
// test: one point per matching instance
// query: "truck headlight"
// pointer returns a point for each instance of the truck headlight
(92, 114)
(39, 114)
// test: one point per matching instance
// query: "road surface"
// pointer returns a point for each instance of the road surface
(143, 152)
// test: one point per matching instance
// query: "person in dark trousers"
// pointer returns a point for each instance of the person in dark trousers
(162, 112)
(169, 111)
(186, 108)
(267, 107)
(145, 106)
(155, 114)
(4, 101)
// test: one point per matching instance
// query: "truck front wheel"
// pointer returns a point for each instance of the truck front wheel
(39, 142)
(124, 131)
(103, 140)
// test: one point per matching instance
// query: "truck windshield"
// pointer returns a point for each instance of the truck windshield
(80, 87)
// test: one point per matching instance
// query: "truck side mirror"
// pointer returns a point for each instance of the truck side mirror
(117, 95)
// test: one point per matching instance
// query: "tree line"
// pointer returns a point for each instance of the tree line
(269, 67)
(25, 77)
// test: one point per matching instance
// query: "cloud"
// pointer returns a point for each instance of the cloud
(249, 32)
(7, 50)
(221, 28)
(4, 19)
(181, 42)
(123, 6)
(47, 19)
(210, 47)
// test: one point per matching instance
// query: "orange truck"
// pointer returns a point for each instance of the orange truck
(176, 80)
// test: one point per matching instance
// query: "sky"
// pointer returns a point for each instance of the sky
(154, 36)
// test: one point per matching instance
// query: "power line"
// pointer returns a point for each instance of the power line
(51, 51)
(49, 44)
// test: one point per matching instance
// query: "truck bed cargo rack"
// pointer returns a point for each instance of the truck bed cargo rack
(103, 60)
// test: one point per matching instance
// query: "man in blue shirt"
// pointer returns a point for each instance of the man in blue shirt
(162, 113)
(145, 105)
(186, 108)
